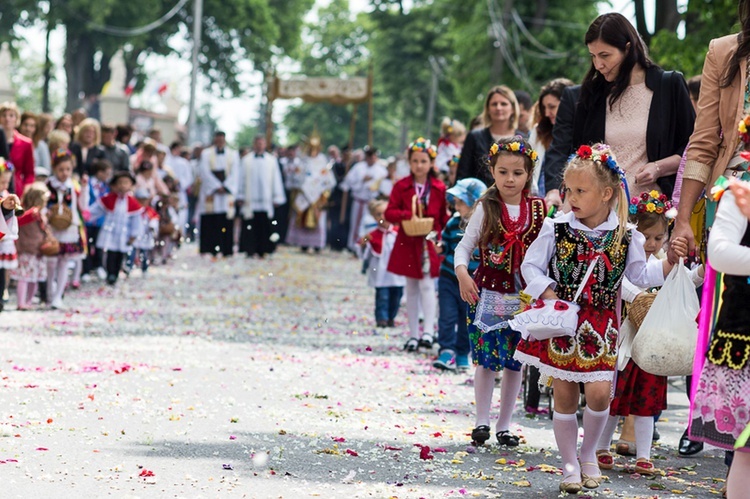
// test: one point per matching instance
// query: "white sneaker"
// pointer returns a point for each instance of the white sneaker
(86, 278)
(101, 273)
(58, 304)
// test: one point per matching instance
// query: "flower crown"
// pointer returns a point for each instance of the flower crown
(598, 155)
(742, 128)
(423, 145)
(651, 202)
(517, 146)
(5, 166)
(61, 152)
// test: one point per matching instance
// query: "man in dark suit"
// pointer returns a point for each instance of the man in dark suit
(562, 145)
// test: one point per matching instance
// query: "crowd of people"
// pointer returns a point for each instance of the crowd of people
(583, 201)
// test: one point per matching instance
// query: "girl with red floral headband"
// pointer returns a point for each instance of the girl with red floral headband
(638, 393)
(591, 247)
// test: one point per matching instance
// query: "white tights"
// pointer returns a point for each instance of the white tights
(738, 481)
(421, 291)
(644, 433)
(484, 385)
(57, 277)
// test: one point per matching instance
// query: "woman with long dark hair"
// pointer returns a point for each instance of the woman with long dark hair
(641, 111)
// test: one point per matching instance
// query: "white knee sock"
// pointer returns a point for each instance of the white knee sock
(644, 434)
(565, 427)
(429, 304)
(593, 426)
(21, 292)
(509, 388)
(61, 278)
(605, 442)
(412, 306)
(77, 270)
(738, 482)
(51, 277)
(30, 292)
(484, 385)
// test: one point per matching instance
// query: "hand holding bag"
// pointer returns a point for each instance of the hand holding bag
(665, 343)
(551, 318)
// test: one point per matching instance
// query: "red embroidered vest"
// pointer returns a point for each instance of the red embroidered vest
(501, 259)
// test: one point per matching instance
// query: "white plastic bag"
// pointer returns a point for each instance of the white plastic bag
(665, 343)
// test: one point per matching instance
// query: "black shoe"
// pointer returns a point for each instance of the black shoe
(480, 434)
(688, 447)
(657, 435)
(426, 342)
(381, 323)
(391, 323)
(507, 438)
(411, 345)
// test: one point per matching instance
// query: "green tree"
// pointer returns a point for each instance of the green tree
(259, 30)
(245, 136)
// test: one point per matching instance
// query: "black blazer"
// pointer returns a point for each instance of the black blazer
(82, 167)
(473, 162)
(670, 119)
(562, 145)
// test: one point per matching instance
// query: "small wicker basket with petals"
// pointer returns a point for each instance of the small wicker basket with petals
(418, 226)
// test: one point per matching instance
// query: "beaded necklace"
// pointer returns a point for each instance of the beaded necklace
(507, 222)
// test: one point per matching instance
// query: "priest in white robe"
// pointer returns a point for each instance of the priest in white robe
(219, 172)
(261, 192)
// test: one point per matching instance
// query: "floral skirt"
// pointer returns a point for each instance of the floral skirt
(590, 355)
(638, 393)
(492, 350)
(31, 268)
(721, 406)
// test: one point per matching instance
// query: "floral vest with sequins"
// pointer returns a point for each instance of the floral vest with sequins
(574, 252)
(730, 344)
(499, 260)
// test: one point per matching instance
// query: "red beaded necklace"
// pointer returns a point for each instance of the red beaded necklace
(510, 225)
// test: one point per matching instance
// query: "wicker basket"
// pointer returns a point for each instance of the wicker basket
(639, 308)
(418, 226)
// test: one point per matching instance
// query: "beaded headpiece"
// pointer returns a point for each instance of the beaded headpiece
(598, 155)
(423, 145)
(651, 202)
(5, 166)
(515, 146)
(60, 153)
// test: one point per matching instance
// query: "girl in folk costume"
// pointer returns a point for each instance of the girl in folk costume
(8, 254)
(452, 136)
(64, 208)
(219, 176)
(145, 241)
(415, 257)
(308, 224)
(595, 234)
(637, 392)
(504, 223)
(378, 247)
(720, 412)
(32, 226)
(122, 222)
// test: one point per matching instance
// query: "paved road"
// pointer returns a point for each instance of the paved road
(263, 379)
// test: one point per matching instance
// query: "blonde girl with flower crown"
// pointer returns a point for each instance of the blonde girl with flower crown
(452, 136)
(594, 233)
(415, 257)
(505, 222)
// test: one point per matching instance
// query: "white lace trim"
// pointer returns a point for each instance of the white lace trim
(547, 372)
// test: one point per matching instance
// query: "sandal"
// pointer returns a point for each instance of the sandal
(411, 345)
(507, 438)
(625, 448)
(588, 481)
(605, 459)
(480, 434)
(644, 466)
(570, 487)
